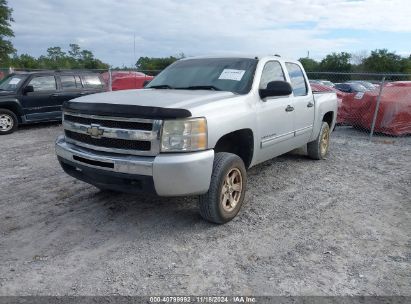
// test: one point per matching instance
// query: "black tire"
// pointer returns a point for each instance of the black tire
(314, 148)
(10, 124)
(211, 203)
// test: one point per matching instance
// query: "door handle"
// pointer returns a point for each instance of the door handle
(55, 95)
(310, 105)
(289, 108)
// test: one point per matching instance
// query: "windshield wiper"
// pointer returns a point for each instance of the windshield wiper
(200, 87)
(160, 86)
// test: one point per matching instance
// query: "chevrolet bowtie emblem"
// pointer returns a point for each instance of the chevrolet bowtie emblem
(95, 131)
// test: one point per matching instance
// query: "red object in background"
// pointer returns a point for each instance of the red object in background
(394, 114)
(126, 80)
(357, 109)
(342, 109)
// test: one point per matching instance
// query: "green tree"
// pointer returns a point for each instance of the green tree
(89, 62)
(55, 53)
(57, 58)
(150, 63)
(336, 62)
(6, 47)
(383, 61)
(24, 61)
(310, 65)
(75, 51)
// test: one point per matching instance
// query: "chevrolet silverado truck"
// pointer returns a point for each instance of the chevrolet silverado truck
(196, 129)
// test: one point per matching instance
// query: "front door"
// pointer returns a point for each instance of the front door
(303, 103)
(275, 116)
(41, 103)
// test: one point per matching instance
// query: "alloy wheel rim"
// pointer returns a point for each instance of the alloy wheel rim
(6, 122)
(325, 139)
(231, 190)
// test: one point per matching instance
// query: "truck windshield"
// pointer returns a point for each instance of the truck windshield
(12, 83)
(217, 74)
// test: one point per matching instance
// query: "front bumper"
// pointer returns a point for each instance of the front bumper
(171, 174)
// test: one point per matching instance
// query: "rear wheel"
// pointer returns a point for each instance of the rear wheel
(8, 122)
(318, 149)
(225, 196)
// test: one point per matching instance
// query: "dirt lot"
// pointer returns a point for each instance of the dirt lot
(336, 227)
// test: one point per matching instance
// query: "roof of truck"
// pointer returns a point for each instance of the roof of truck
(248, 56)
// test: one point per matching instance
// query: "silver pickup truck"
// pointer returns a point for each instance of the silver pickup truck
(196, 129)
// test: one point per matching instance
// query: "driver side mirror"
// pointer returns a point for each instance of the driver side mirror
(276, 88)
(28, 89)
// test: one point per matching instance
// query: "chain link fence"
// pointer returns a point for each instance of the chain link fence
(369, 104)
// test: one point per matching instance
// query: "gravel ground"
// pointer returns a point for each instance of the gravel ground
(341, 226)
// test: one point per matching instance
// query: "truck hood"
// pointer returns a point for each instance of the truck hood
(162, 98)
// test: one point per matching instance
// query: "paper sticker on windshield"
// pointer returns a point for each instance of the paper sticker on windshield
(359, 95)
(230, 74)
(14, 81)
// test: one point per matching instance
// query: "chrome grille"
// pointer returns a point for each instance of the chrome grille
(113, 134)
(148, 126)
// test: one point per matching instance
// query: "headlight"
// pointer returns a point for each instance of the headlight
(184, 135)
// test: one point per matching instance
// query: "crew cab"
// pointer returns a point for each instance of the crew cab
(196, 129)
(29, 97)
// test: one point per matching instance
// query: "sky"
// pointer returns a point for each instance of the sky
(160, 28)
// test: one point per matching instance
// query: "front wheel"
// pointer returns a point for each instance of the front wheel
(8, 122)
(225, 196)
(318, 149)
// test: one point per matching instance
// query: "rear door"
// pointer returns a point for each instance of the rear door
(303, 103)
(70, 88)
(41, 104)
(276, 123)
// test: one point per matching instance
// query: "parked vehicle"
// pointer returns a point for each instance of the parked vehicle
(195, 130)
(29, 97)
(323, 82)
(126, 80)
(394, 111)
(351, 87)
(368, 85)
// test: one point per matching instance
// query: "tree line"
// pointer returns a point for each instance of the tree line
(57, 58)
(379, 61)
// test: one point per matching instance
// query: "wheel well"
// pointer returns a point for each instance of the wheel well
(12, 107)
(240, 142)
(328, 118)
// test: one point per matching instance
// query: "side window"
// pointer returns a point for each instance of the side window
(68, 82)
(43, 83)
(298, 82)
(92, 82)
(78, 81)
(272, 72)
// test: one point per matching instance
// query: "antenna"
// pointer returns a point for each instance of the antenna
(134, 54)
(134, 50)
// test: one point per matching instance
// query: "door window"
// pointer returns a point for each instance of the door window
(272, 72)
(92, 82)
(298, 82)
(70, 82)
(43, 83)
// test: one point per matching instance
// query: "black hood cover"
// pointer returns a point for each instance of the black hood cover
(129, 111)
